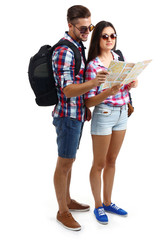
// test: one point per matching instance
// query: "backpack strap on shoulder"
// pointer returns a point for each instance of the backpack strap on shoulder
(121, 58)
(77, 54)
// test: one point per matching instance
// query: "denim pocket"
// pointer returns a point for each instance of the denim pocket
(102, 111)
(73, 124)
(56, 121)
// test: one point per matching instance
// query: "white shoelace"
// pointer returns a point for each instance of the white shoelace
(101, 212)
(114, 206)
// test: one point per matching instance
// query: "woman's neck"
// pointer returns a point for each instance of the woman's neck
(106, 57)
(105, 54)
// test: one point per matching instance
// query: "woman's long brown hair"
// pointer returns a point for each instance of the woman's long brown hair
(94, 49)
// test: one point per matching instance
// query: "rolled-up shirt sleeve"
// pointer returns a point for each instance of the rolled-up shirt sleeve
(89, 75)
(63, 64)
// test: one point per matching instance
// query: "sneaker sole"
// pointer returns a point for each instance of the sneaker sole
(79, 210)
(72, 229)
(103, 223)
(126, 215)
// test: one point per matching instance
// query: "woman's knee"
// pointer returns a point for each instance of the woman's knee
(111, 161)
(99, 165)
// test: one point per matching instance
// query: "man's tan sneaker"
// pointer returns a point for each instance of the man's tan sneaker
(79, 207)
(68, 221)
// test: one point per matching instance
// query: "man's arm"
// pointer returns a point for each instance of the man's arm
(74, 90)
(65, 71)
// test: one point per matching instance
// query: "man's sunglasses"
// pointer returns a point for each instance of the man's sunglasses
(112, 36)
(84, 29)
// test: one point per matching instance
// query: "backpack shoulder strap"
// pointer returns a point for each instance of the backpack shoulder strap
(121, 58)
(77, 54)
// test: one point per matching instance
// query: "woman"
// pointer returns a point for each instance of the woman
(109, 121)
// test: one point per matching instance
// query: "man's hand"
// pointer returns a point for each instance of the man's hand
(100, 78)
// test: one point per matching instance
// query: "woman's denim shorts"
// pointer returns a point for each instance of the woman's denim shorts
(69, 132)
(106, 119)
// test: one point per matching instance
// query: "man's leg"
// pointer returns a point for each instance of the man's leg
(68, 135)
(68, 196)
(62, 181)
(72, 204)
(61, 174)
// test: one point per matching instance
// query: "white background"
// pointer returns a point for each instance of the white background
(28, 205)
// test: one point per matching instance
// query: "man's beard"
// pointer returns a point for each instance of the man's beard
(78, 37)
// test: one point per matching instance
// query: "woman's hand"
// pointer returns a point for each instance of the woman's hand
(133, 84)
(115, 89)
(88, 114)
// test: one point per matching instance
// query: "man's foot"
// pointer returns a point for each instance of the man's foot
(101, 215)
(79, 207)
(112, 208)
(68, 221)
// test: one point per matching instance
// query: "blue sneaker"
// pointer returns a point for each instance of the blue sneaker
(101, 215)
(112, 208)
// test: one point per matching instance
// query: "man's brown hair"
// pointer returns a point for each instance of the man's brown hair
(77, 11)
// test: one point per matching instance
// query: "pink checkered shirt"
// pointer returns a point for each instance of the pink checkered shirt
(120, 99)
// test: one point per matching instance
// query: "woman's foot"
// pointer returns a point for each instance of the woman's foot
(112, 208)
(101, 215)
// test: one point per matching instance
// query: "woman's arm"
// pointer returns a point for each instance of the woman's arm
(93, 101)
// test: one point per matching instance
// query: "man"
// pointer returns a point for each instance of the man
(69, 113)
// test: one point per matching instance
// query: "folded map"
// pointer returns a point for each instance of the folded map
(123, 73)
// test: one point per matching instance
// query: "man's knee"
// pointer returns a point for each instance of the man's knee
(65, 164)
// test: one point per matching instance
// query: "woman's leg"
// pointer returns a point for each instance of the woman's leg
(100, 148)
(117, 138)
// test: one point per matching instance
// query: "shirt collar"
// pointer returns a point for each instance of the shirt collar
(115, 57)
(98, 61)
(68, 37)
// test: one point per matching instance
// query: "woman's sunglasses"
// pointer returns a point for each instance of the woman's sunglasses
(112, 36)
(84, 29)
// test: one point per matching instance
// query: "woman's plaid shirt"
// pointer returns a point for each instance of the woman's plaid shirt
(63, 64)
(120, 99)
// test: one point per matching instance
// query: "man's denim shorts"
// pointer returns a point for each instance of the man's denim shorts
(106, 119)
(69, 132)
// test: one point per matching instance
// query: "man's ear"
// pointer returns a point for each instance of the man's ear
(70, 26)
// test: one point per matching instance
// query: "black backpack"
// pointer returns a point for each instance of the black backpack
(41, 74)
